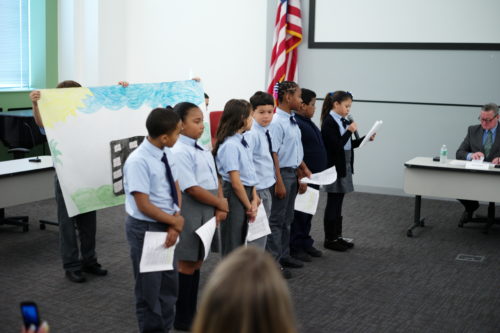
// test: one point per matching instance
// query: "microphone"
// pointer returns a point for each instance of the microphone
(37, 159)
(351, 119)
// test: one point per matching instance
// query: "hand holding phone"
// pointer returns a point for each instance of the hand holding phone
(31, 319)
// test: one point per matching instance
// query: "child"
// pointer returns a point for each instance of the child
(301, 243)
(85, 223)
(152, 202)
(287, 154)
(337, 131)
(201, 198)
(234, 163)
(259, 140)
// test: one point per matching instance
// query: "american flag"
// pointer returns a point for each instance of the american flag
(287, 36)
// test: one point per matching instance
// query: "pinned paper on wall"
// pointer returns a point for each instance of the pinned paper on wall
(88, 129)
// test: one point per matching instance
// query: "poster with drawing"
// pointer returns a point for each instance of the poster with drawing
(82, 123)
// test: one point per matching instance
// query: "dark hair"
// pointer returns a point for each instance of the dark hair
(232, 120)
(69, 84)
(338, 96)
(307, 95)
(283, 88)
(490, 107)
(261, 98)
(161, 121)
(206, 96)
(182, 109)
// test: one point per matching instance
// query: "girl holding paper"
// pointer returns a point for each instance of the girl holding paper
(202, 199)
(336, 131)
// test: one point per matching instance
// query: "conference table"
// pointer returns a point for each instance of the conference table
(22, 181)
(453, 179)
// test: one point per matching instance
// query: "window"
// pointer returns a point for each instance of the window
(15, 44)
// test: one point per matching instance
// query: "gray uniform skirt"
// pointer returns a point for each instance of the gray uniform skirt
(190, 247)
(343, 184)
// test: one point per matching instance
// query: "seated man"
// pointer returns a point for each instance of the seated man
(481, 142)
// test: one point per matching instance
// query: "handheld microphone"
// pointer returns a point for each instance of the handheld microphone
(351, 119)
(37, 159)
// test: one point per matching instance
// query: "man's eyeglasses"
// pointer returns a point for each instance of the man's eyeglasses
(487, 120)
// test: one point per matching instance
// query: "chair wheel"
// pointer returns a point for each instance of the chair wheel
(42, 226)
(409, 233)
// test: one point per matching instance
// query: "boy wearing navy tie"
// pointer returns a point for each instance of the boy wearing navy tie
(301, 242)
(152, 204)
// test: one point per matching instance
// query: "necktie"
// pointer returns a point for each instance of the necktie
(488, 143)
(197, 146)
(170, 179)
(344, 121)
(244, 142)
(270, 143)
(292, 119)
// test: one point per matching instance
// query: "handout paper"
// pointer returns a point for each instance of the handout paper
(324, 177)
(260, 227)
(155, 256)
(206, 233)
(307, 202)
(372, 131)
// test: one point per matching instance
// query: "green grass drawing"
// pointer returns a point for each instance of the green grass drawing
(89, 199)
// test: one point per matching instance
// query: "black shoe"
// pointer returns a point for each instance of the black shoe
(75, 276)
(302, 256)
(286, 273)
(291, 263)
(349, 245)
(334, 245)
(466, 217)
(314, 252)
(95, 269)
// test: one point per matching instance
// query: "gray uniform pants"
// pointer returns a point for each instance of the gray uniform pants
(68, 226)
(155, 292)
(282, 213)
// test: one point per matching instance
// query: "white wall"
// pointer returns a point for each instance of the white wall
(102, 42)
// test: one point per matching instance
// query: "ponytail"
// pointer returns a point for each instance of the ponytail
(338, 96)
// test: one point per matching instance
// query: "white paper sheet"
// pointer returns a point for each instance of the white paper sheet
(307, 202)
(325, 177)
(260, 227)
(477, 165)
(155, 256)
(376, 126)
(206, 233)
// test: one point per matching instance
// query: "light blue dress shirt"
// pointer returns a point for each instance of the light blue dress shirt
(286, 139)
(262, 159)
(195, 167)
(234, 156)
(485, 135)
(145, 172)
(338, 118)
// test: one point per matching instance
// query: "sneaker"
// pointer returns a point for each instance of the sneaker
(349, 245)
(313, 252)
(95, 269)
(286, 273)
(334, 245)
(302, 256)
(291, 263)
(75, 276)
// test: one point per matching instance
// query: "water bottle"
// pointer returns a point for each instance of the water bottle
(443, 154)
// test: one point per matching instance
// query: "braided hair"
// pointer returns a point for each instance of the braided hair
(338, 96)
(283, 88)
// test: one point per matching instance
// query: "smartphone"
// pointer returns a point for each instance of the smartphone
(30, 314)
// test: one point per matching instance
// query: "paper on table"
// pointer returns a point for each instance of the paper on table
(206, 233)
(372, 131)
(325, 177)
(477, 165)
(155, 256)
(260, 227)
(307, 202)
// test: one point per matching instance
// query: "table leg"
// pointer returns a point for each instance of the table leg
(417, 221)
